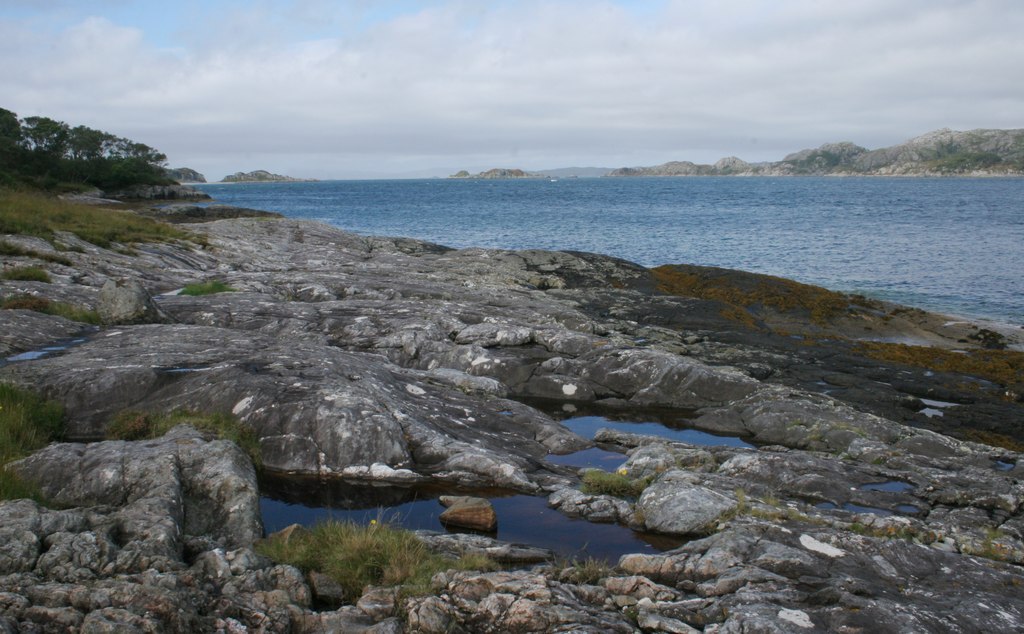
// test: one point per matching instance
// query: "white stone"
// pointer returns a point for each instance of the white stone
(796, 617)
(810, 543)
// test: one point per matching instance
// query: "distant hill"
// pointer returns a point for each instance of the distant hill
(185, 175)
(577, 172)
(943, 152)
(263, 176)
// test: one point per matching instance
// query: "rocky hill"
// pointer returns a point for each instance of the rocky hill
(185, 175)
(263, 176)
(943, 152)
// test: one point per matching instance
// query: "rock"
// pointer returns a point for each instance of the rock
(469, 512)
(458, 544)
(674, 504)
(326, 591)
(158, 192)
(126, 302)
(379, 603)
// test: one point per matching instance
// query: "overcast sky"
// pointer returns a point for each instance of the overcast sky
(330, 89)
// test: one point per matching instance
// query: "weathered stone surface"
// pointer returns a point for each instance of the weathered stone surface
(676, 504)
(126, 302)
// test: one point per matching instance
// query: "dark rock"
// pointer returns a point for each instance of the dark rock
(158, 192)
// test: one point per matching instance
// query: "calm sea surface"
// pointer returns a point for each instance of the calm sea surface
(952, 245)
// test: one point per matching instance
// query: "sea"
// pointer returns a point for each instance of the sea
(951, 245)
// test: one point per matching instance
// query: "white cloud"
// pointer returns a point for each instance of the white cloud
(528, 83)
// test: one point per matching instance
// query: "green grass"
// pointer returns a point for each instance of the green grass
(206, 288)
(35, 214)
(360, 555)
(134, 425)
(27, 423)
(26, 274)
(43, 305)
(597, 482)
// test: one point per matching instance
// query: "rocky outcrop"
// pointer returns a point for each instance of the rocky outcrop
(183, 213)
(498, 173)
(185, 175)
(262, 176)
(940, 153)
(158, 192)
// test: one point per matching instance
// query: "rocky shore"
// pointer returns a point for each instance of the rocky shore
(883, 493)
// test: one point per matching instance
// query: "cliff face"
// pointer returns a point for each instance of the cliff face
(262, 176)
(940, 153)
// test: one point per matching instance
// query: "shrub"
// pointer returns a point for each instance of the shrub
(206, 288)
(27, 423)
(357, 556)
(135, 425)
(26, 274)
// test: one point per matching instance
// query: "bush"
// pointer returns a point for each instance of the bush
(206, 288)
(27, 423)
(135, 425)
(26, 274)
(357, 556)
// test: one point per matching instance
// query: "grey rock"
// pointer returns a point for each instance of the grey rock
(126, 302)
(676, 504)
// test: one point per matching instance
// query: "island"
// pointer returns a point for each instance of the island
(263, 176)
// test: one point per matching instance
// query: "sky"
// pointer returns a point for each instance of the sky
(360, 89)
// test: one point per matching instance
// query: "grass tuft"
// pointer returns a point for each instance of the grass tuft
(43, 305)
(35, 214)
(26, 274)
(356, 556)
(135, 425)
(597, 482)
(206, 288)
(27, 423)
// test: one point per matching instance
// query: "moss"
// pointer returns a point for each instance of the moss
(745, 294)
(993, 439)
(1005, 367)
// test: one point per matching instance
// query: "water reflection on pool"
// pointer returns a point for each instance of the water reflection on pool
(587, 426)
(521, 518)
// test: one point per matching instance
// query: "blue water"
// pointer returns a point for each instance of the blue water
(954, 245)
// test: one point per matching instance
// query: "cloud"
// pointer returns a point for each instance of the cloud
(357, 87)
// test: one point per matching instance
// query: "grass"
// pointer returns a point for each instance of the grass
(135, 425)
(618, 484)
(26, 274)
(27, 423)
(36, 214)
(206, 288)
(356, 556)
(42, 305)
(6, 248)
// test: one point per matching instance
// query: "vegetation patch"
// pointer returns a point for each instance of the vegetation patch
(993, 439)
(206, 288)
(618, 484)
(6, 248)
(745, 293)
(36, 214)
(27, 423)
(43, 305)
(356, 556)
(1005, 367)
(135, 425)
(26, 274)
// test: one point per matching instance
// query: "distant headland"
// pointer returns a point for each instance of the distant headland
(942, 152)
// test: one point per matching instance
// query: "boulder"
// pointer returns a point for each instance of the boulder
(675, 504)
(469, 512)
(126, 302)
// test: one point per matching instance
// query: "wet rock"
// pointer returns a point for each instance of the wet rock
(459, 544)
(469, 512)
